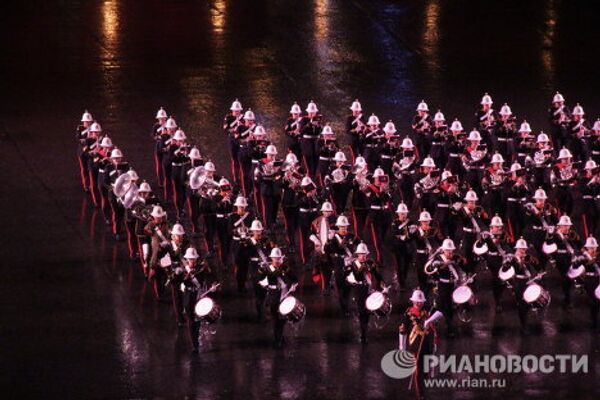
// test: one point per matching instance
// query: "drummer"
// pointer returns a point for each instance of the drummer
(189, 280)
(364, 276)
(523, 265)
(589, 259)
(276, 281)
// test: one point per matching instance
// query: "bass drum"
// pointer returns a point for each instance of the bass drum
(292, 309)
(536, 296)
(207, 310)
(378, 304)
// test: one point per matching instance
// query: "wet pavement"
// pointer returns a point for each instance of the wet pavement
(78, 320)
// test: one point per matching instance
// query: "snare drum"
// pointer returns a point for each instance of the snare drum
(506, 275)
(536, 296)
(292, 309)
(379, 304)
(462, 295)
(576, 273)
(207, 310)
(165, 262)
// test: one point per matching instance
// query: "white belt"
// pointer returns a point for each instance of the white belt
(308, 137)
(325, 158)
(376, 207)
(308, 210)
(468, 230)
(501, 139)
(386, 157)
(443, 280)
(442, 205)
(422, 251)
(221, 215)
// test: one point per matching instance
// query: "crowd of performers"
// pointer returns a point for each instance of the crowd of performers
(449, 203)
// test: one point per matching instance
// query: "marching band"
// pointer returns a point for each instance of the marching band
(450, 205)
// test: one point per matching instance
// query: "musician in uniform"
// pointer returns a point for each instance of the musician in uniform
(379, 196)
(589, 187)
(340, 251)
(308, 207)
(259, 144)
(475, 158)
(208, 205)
(180, 162)
(164, 147)
(426, 185)
(188, 280)
(494, 246)
(239, 226)
(594, 142)
(268, 174)
(455, 147)
(310, 129)
(577, 134)
(485, 120)
(401, 244)
(439, 133)
(192, 195)
(448, 202)
(364, 276)
(524, 265)
(290, 186)
(356, 125)
(338, 182)
(540, 216)
(421, 129)
(251, 253)
(292, 130)
(405, 172)
(505, 130)
(390, 149)
(493, 185)
(322, 231)
(140, 213)
(328, 147)
(518, 192)
(563, 178)
(426, 239)
(359, 199)
(243, 135)
(158, 231)
(560, 245)
(418, 335)
(98, 159)
(232, 121)
(589, 259)
(224, 208)
(373, 142)
(447, 270)
(157, 130)
(116, 168)
(473, 219)
(542, 161)
(82, 134)
(274, 281)
(525, 144)
(558, 115)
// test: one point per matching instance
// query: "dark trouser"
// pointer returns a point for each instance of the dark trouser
(372, 156)
(359, 219)
(356, 146)
(422, 278)
(179, 188)
(497, 286)
(378, 227)
(194, 206)
(343, 287)
(310, 155)
(473, 178)
(323, 168)
(234, 149)
(467, 247)
(522, 307)
(210, 230)
(158, 163)
(224, 239)
(132, 245)
(167, 182)
(564, 199)
(83, 171)
(241, 272)
(189, 300)
(178, 302)
(144, 249)
(294, 147)
(93, 185)
(104, 203)
(403, 259)
(270, 209)
(305, 220)
(565, 282)
(493, 202)
(590, 285)
(361, 293)
(446, 306)
(117, 214)
(245, 162)
(290, 215)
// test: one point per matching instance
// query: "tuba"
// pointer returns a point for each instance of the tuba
(122, 185)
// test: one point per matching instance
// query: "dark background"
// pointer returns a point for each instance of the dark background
(78, 319)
